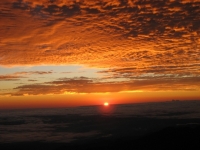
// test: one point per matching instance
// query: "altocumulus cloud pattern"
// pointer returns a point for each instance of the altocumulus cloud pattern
(144, 43)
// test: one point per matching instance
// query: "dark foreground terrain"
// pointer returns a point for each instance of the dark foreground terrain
(176, 137)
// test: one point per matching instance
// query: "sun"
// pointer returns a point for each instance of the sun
(106, 104)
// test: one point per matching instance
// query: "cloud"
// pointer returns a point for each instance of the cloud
(25, 128)
(87, 85)
(23, 74)
(9, 77)
(159, 71)
(102, 34)
(33, 72)
(31, 80)
(145, 43)
(66, 72)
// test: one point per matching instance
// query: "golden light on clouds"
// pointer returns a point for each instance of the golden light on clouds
(132, 45)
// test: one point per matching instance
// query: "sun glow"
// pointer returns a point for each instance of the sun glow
(106, 104)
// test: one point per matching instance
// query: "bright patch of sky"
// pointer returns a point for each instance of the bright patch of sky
(62, 71)
(55, 73)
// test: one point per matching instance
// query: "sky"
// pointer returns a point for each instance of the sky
(61, 53)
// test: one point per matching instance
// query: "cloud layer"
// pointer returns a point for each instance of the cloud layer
(19, 75)
(100, 33)
(143, 42)
(86, 85)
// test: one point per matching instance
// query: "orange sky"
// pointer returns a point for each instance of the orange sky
(63, 53)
